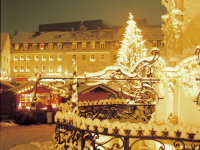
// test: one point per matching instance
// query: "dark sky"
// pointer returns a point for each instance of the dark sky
(26, 15)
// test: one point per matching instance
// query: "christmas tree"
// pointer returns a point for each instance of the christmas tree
(132, 47)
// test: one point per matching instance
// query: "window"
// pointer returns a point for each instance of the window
(102, 57)
(34, 46)
(44, 69)
(21, 69)
(50, 68)
(36, 69)
(154, 43)
(84, 45)
(59, 57)
(41, 46)
(74, 45)
(59, 68)
(28, 68)
(7, 59)
(92, 45)
(83, 57)
(25, 47)
(15, 58)
(27, 57)
(22, 57)
(117, 45)
(36, 58)
(15, 69)
(102, 45)
(74, 57)
(162, 43)
(16, 47)
(51, 57)
(44, 58)
(114, 57)
(4, 58)
(50, 46)
(59, 46)
(92, 58)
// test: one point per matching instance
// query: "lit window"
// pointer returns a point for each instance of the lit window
(59, 68)
(21, 69)
(84, 45)
(7, 59)
(36, 58)
(50, 46)
(117, 45)
(102, 57)
(22, 57)
(44, 58)
(36, 69)
(34, 46)
(59, 46)
(28, 57)
(50, 68)
(59, 57)
(102, 45)
(15, 69)
(74, 45)
(92, 45)
(25, 47)
(4, 58)
(83, 57)
(16, 47)
(74, 57)
(162, 43)
(51, 57)
(41, 46)
(114, 57)
(28, 69)
(44, 69)
(92, 58)
(15, 58)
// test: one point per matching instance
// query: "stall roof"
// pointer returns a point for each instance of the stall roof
(22, 86)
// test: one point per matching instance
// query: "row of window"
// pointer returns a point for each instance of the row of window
(44, 57)
(51, 57)
(4, 59)
(92, 57)
(36, 69)
(59, 46)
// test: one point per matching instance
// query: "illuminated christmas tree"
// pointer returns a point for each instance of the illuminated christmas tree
(132, 47)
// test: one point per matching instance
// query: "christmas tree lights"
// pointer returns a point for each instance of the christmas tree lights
(132, 47)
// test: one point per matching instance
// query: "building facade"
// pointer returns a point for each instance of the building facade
(51, 53)
(5, 55)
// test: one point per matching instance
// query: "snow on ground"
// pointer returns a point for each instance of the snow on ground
(7, 124)
(35, 146)
(32, 137)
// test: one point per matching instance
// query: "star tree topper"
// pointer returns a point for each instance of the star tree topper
(132, 47)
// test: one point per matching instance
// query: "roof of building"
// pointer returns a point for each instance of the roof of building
(67, 26)
(149, 33)
(4, 36)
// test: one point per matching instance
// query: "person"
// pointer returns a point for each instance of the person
(49, 113)
(39, 111)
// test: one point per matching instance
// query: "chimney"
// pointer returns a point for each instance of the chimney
(72, 31)
(99, 30)
(16, 32)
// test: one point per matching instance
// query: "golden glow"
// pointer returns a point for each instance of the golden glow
(132, 47)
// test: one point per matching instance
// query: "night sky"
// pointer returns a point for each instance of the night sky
(26, 15)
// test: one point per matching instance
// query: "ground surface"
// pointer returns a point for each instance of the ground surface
(27, 137)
